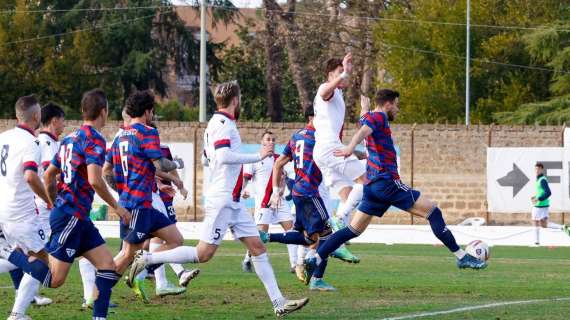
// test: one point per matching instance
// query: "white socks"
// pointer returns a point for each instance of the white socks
(6, 266)
(183, 254)
(87, 271)
(301, 253)
(160, 272)
(459, 254)
(345, 208)
(265, 273)
(292, 248)
(311, 253)
(28, 289)
(247, 256)
(536, 235)
(177, 268)
(552, 225)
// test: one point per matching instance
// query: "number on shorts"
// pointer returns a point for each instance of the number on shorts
(299, 149)
(171, 211)
(217, 233)
(3, 168)
(123, 151)
(42, 234)
(65, 155)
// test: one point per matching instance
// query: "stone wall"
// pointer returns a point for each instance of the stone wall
(445, 162)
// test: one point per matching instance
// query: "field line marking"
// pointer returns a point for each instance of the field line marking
(477, 307)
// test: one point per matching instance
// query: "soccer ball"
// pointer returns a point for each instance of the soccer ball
(478, 249)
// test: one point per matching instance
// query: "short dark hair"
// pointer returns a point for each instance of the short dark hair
(23, 106)
(331, 65)
(385, 95)
(309, 112)
(50, 111)
(139, 102)
(93, 102)
(266, 132)
(539, 165)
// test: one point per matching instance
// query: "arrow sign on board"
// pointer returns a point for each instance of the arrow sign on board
(516, 179)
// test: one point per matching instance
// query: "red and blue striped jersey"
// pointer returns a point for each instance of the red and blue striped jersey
(308, 176)
(382, 160)
(166, 198)
(131, 154)
(82, 148)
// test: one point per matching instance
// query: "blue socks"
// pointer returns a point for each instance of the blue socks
(335, 241)
(16, 276)
(320, 270)
(105, 280)
(37, 268)
(289, 237)
(440, 230)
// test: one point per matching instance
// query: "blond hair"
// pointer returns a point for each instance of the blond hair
(225, 92)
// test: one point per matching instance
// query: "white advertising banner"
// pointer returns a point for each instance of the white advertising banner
(511, 178)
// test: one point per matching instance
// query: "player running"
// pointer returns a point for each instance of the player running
(384, 187)
(260, 174)
(311, 224)
(79, 161)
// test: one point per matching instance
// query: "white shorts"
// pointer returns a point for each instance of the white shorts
(273, 216)
(221, 215)
(338, 172)
(43, 223)
(157, 204)
(26, 235)
(539, 213)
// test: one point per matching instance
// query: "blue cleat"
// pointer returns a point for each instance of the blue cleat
(320, 285)
(310, 267)
(469, 261)
(264, 236)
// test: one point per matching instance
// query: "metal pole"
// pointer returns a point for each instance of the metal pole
(203, 80)
(467, 60)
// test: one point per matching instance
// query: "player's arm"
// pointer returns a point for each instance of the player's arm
(277, 177)
(546, 188)
(364, 105)
(95, 178)
(360, 135)
(327, 90)
(109, 175)
(35, 183)
(50, 181)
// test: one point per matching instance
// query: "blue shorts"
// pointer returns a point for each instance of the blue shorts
(143, 223)
(381, 194)
(171, 212)
(71, 237)
(310, 215)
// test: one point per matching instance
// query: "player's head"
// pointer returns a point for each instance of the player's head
(268, 139)
(309, 113)
(388, 101)
(539, 168)
(53, 118)
(126, 117)
(228, 96)
(333, 69)
(28, 111)
(95, 107)
(140, 104)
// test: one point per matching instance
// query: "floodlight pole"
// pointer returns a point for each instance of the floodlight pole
(203, 80)
(467, 60)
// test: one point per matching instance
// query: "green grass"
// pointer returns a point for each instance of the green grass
(391, 281)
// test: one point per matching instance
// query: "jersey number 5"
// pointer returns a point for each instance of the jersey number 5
(65, 155)
(299, 150)
(123, 151)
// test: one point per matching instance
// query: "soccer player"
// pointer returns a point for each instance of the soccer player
(384, 187)
(19, 184)
(78, 162)
(223, 209)
(344, 175)
(311, 224)
(260, 174)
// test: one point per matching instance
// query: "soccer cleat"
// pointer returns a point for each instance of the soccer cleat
(42, 301)
(469, 261)
(247, 266)
(18, 316)
(566, 229)
(89, 305)
(5, 249)
(292, 269)
(170, 290)
(320, 285)
(310, 266)
(137, 267)
(264, 236)
(343, 254)
(186, 276)
(138, 289)
(290, 306)
(300, 272)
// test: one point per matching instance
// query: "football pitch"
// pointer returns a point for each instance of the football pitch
(397, 281)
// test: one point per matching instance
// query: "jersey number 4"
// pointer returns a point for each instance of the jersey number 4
(299, 150)
(123, 151)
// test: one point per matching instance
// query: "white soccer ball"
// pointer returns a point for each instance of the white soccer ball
(478, 249)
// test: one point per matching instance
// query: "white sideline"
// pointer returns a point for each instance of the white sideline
(471, 308)
(404, 234)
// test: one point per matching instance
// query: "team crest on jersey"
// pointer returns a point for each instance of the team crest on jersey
(140, 235)
(223, 121)
(48, 143)
(37, 142)
(70, 252)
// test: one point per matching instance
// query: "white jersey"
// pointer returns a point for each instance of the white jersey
(49, 146)
(19, 152)
(261, 175)
(329, 117)
(225, 180)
